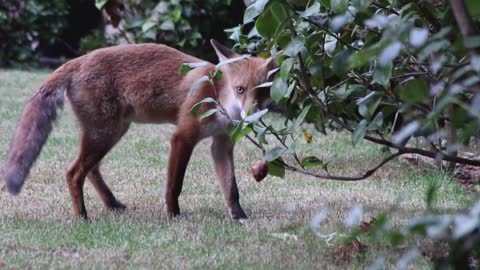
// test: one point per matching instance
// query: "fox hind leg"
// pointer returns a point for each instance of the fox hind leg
(103, 190)
(95, 144)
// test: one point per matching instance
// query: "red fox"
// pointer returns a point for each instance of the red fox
(110, 88)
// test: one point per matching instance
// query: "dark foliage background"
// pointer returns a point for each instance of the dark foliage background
(48, 32)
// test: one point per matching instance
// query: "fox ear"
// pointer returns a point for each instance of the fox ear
(271, 66)
(270, 63)
(223, 52)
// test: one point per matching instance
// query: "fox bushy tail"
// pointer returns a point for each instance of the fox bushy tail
(35, 125)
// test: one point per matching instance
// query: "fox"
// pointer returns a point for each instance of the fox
(111, 88)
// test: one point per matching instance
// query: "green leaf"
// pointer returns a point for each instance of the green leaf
(343, 92)
(197, 83)
(406, 132)
(325, 3)
(162, 7)
(363, 111)
(217, 75)
(464, 225)
(254, 10)
(272, 72)
(311, 11)
(256, 116)
(361, 4)
(266, 24)
(367, 99)
(234, 33)
(473, 7)
(290, 89)
(382, 74)
(235, 131)
(368, 109)
(415, 90)
(265, 84)
(295, 46)
(418, 37)
(460, 117)
(207, 113)
(231, 60)
(176, 15)
(285, 68)
(366, 55)
(197, 106)
(275, 153)
(467, 131)
(389, 53)
(433, 47)
(311, 161)
(186, 67)
(150, 34)
(148, 25)
(134, 22)
(167, 25)
(475, 106)
(339, 6)
(279, 89)
(261, 132)
(341, 63)
(100, 3)
(471, 42)
(271, 20)
(301, 117)
(475, 62)
(419, 225)
(377, 122)
(359, 132)
(275, 168)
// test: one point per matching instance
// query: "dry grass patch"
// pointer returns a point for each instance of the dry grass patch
(37, 229)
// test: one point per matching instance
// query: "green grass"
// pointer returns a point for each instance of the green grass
(37, 228)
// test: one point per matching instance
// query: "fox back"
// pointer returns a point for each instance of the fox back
(112, 87)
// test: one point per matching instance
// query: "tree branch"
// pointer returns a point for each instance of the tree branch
(343, 178)
(422, 152)
(411, 150)
(464, 22)
(463, 18)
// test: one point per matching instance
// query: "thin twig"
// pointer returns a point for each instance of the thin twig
(343, 178)
(256, 144)
(283, 143)
(386, 8)
(332, 34)
(411, 150)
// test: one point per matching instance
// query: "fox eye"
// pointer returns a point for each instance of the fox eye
(240, 89)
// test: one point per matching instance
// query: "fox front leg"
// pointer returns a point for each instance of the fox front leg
(222, 154)
(180, 152)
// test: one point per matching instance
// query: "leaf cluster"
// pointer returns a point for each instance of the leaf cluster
(386, 71)
(25, 24)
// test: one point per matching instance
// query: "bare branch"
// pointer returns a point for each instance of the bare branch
(464, 22)
(411, 150)
(463, 18)
(343, 178)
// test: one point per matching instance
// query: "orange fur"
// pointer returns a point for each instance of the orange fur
(112, 87)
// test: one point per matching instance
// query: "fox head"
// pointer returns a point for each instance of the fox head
(239, 92)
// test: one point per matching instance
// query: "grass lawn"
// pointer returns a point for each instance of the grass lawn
(37, 228)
